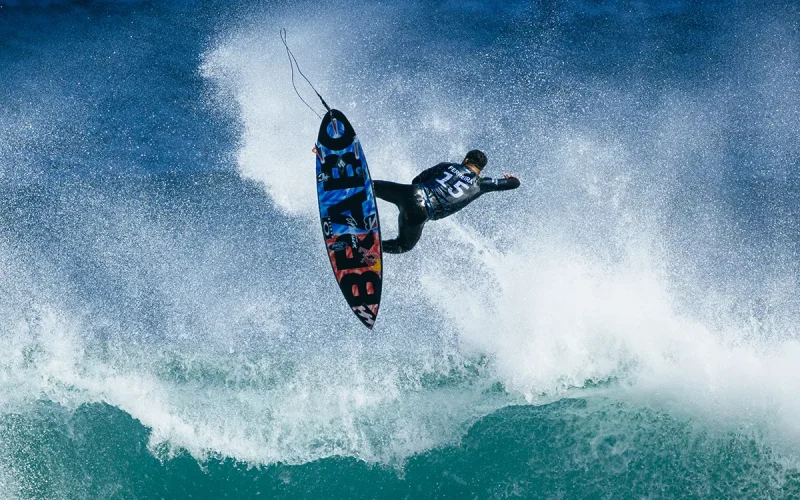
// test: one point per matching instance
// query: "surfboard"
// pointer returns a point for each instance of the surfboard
(349, 216)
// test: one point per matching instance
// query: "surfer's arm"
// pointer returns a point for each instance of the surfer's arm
(427, 175)
(508, 182)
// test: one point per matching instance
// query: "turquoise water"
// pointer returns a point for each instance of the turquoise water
(574, 448)
(622, 326)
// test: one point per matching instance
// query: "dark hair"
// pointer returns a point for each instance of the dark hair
(477, 158)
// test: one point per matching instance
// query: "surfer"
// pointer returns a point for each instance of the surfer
(437, 192)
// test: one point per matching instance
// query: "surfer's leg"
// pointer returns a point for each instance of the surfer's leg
(413, 214)
(408, 238)
(411, 221)
(391, 246)
(393, 192)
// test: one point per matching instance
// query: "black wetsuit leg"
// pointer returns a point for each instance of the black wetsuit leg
(413, 213)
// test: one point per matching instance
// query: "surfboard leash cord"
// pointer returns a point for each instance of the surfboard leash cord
(292, 63)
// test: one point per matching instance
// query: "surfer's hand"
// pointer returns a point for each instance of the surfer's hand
(509, 176)
(314, 150)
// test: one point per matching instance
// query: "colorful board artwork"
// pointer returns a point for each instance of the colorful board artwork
(349, 216)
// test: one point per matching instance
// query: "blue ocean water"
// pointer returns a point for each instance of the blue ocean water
(624, 325)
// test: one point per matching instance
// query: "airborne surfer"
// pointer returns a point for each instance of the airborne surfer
(437, 192)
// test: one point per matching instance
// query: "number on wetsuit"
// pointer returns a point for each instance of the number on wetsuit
(456, 190)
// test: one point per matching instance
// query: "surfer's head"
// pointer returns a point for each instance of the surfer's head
(475, 158)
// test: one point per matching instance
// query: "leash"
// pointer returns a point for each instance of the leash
(292, 63)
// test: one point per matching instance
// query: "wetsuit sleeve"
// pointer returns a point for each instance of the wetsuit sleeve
(428, 174)
(488, 184)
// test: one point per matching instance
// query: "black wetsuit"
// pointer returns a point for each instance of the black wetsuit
(437, 192)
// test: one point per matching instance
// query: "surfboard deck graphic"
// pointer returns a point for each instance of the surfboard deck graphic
(349, 216)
